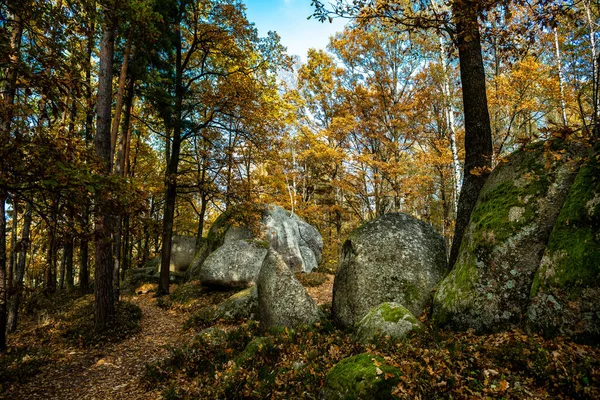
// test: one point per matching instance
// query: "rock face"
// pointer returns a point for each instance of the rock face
(183, 250)
(565, 296)
(394, 258)
(235, 264)
(365, 376)
(283, 301)
(299, 244)
(220, 232)
(489, 286)
(387, 319)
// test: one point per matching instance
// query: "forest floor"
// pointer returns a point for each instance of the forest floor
(112, 371)
(66, 370)
(54, 356)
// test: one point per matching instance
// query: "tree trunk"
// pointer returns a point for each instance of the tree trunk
(9, 88)
(563, 103)
(171, 174)
(120, 96)
(478, 132)
(203, 204)
(105, 306)
(595, 68)
(449, 116)
(68, 259)
(15, 301)
(13, 252)
(50, 273)
(61, 274)
(84, 275)
(3, 288)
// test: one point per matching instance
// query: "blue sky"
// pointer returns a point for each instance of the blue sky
(288, 19)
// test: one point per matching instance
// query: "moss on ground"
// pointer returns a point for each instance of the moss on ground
(365, 376)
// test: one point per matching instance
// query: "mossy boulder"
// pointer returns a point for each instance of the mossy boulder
(209, 337)
(387, 319)
(282, 299)
(242, 305)
(362, 377)
(395, 258)
(183, 250)
(565, 296)
(488, 289)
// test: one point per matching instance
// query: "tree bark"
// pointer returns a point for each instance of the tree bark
(68, 259)
(563, 103)
(15, 301)
(478, 132)
(3, 291)
(120, 96)
(172, 168)
(104, 305)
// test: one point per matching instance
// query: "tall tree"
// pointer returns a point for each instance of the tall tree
(103, 272)
(465, 15)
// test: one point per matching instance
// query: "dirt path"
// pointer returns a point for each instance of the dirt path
(112, 372)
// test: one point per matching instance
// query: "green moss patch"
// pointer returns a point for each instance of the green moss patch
(573, 250)
(365, 376)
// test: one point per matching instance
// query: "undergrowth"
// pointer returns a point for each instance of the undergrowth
(292, 364)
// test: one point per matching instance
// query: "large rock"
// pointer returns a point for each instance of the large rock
(489, 286)
(387, 319)
(282, 299)
(394, 258)
(183, 250)
(299, 244)
(365, 376)
(235, 264)
(221, 231)
(565, 296)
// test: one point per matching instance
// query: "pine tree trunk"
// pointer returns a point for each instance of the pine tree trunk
(171, 173)
(478, 132)
(103, 288)
(15, 301)
(3, 288)
(68, 257)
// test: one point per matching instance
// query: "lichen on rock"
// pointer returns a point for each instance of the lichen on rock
(488, 288)
(395, 258)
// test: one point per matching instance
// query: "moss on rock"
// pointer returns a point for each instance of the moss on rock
(387, 319)
(565, 295)
(365, 376)
(488, 288)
